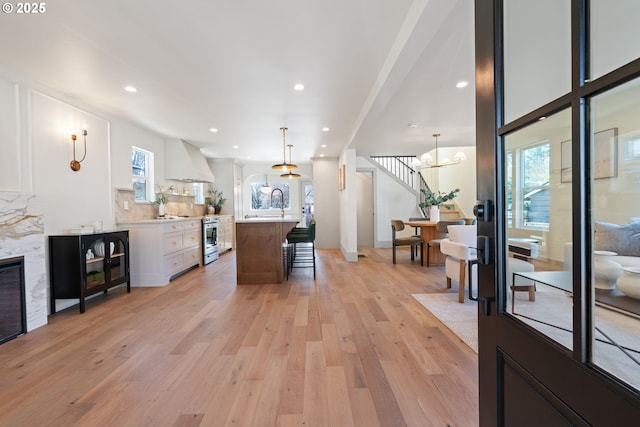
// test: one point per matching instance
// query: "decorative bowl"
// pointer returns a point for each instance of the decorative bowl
(629, 282)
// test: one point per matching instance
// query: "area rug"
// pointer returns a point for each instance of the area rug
(462, 319)
(553, 310)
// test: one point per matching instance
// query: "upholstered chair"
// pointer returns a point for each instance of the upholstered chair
(460, 249)
(461, 261)
(441, 227)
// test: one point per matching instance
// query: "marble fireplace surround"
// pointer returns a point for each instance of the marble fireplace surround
(22, 234)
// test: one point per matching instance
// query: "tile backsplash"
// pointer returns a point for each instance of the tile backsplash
(178, 205)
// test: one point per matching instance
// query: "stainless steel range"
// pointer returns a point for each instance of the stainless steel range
(209, 239)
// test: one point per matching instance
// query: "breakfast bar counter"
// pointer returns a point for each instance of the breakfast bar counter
(259, 253)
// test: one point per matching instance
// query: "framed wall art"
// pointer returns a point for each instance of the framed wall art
(341, 178)
(605, 154)
(565, 161)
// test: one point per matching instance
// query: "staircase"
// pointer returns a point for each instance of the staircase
(401, 168)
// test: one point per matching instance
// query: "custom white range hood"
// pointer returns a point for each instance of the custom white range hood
(184, 162)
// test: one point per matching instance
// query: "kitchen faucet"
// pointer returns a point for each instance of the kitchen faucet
(281, 201)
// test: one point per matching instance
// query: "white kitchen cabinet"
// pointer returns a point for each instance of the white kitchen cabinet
(163, 249)
(225, 233)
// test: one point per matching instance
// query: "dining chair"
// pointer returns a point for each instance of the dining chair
(412, 241)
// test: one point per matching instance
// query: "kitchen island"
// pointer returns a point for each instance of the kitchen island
(259, 252)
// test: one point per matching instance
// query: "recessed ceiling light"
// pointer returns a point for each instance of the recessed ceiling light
(321, 155)
(130, 89)
(214, 130)
(413, 125)
(542, 118)
(462, 84)
(299, 86)
(325, 129)
(324, 146)
(236, 146)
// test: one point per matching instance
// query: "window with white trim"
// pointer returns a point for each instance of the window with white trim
(260, 199)
(534, 186)
(142, 171)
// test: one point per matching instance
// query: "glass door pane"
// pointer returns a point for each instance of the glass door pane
(537, 54)
(538, 233)
(117, 264)
(95, 257)
(614, 32)
(615, 195)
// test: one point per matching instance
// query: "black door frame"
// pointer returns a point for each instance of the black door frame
(579, 392)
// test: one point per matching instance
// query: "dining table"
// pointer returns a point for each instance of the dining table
(427, 233)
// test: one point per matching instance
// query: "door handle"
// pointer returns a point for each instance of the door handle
(483, 247)
(483, 210)
(486, 305)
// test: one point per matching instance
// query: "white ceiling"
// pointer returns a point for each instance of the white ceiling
(370, 67)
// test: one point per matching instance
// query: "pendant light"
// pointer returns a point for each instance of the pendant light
(290, 174)
(284, 166)
(266, 188)
(428, 160)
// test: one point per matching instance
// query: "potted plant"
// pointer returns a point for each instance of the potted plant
(433, 200)
(215, 199)
(162, 197)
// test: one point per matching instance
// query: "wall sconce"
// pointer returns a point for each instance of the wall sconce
(75, 164)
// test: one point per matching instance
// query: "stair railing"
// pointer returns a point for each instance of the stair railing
(399, 166)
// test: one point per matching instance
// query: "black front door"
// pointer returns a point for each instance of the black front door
(558, 164)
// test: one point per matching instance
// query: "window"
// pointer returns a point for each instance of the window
(198, 192)
(509, 187)
(142, 171)
(261, 201)
(535, 186)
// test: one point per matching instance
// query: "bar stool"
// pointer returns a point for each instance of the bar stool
(303, 254)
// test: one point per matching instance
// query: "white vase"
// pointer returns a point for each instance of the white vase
(606, 271)
(161, 209)
(434, 213)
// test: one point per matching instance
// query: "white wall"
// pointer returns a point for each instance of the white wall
(348, 209)
(124, 135)
(325, 192)
(69, 198)
(39, 148)
(223, 172)
(391, 201)
(462, 176)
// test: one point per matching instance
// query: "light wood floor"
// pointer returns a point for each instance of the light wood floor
(352, 348)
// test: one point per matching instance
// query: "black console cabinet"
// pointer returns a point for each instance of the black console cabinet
(86, 264)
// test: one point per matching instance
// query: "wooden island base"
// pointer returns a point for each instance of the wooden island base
(259, 251)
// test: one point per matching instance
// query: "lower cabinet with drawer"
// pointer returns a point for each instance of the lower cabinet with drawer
(225, 233)
(163, 249)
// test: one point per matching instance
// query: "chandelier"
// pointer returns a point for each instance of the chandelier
(284, 166)
(429, 162)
